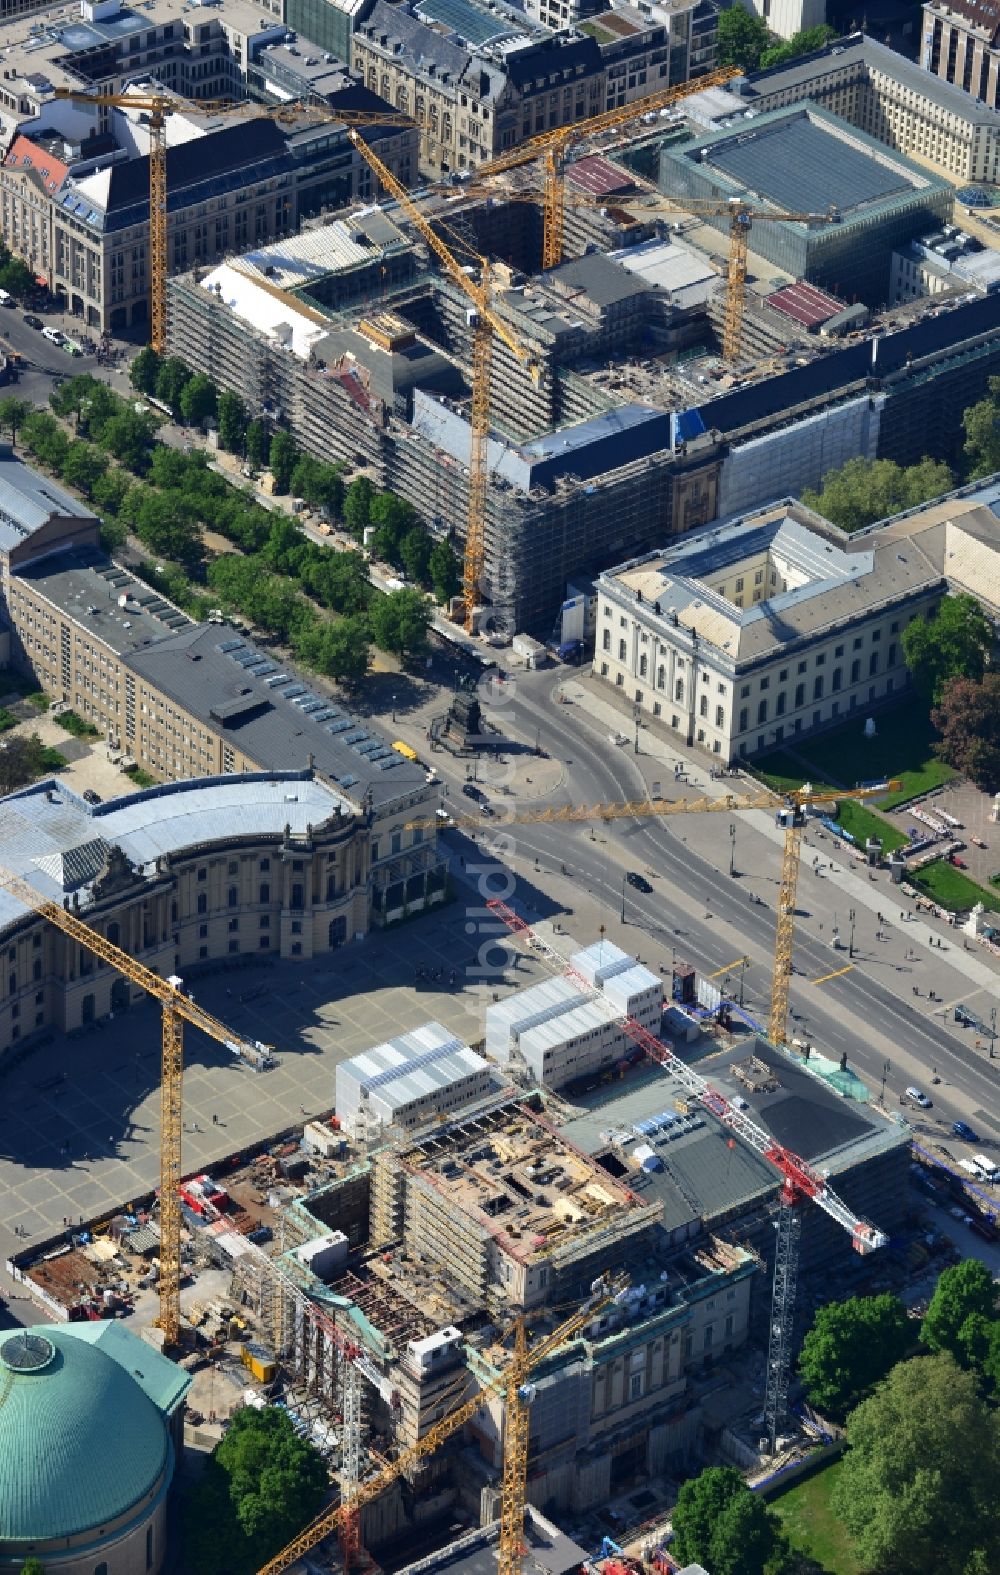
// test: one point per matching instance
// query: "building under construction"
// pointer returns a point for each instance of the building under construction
(633, 433)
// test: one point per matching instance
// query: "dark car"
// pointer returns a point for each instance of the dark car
(638, 881)
(33, 321)
(962, 1130)
(91, 797)
(471, 791)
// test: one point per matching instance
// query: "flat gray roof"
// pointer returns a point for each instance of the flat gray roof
(86, 585)
(797, 164)
(273, 714)
(857, 49)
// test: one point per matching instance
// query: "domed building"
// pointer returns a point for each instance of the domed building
(88, 1419)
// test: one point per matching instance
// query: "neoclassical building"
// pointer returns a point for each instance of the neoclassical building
(260, 864)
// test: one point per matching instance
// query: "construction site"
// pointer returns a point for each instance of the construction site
(394, 1285)
(646, 364)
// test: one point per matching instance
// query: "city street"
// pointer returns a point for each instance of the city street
(44, 362)
(863, 1006)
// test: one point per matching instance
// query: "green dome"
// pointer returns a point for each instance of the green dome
(80, 1443)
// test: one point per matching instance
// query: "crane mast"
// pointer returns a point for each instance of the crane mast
(177, 1009)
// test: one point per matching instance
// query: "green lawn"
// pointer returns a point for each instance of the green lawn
(953, 890)
(783, 773)
(142, 779)
(862, 823)
(811, 1525)
(901, 748)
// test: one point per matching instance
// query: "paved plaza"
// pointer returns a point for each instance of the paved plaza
(79, 1116)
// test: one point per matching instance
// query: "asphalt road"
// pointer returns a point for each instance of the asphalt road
(703, 915)
(44, 361)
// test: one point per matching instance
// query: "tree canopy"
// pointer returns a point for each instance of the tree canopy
(851, 1346)
(444, 570)
(917, 1488)
(199, 400)
(954, 643)
(232, 422)
(866, 490)
(719, 1523)
(962, 1291)
(400, 621)
(262, 1484)
(742, 38)
(801, 43)
(982, 432)
(145, 370)
(968, 719)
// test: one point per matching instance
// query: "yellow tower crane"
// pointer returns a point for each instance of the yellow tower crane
(552, 147)
(741, 214)
(790, 812)
(157, 107)
(177, 1009)
(511, 1382)
(484, 322)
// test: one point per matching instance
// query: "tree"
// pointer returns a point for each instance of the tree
(199, 400)
(256, 444)
(415, 551)
(742, 38)
(281, 459)
(32, 1566)
(17, 278)
(917, 1488)
(357, 506)
(164, 522)
(399, 622)
(802, 43)
(129, 436)
(339, 650)
(982, 432)
(22, 760)
(170, 380)
(955, 643)
(232, 422)
(13, 414)
(111, 489)
(261, 1485)
(964, 1291)
(444, 570)
(968, 720)
(83, 467)
(46, 439)
(866, 490)
(145, 370)
(718, 1522)
(850, 1348)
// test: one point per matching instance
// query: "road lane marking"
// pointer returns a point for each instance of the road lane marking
(834, 975)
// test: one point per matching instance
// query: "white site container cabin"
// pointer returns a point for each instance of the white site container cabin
(532, 652)
(409, 1080)
(325, 1255)
(563, 1034)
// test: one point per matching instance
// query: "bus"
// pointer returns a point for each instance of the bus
(406, 752)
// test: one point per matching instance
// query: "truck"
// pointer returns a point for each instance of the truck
(570, 651)
(985, 1167)
(11, 362)
(531, 651)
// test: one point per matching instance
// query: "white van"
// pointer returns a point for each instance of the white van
(985, 1167)
(6, 299)
(55, 336)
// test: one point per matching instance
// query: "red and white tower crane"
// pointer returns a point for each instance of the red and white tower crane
(799, 1179)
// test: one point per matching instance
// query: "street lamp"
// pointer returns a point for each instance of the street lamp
(993, 1030)
(850, 949)
(732, 849)
(394, 708)
(886, 1069)
(636, 714)
(623, 897)
(744, 965)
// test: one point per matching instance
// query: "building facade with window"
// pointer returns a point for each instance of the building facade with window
(776, 625)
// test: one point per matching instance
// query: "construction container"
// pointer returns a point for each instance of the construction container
(324, 1255)
(320, 1139)
(258, 1361)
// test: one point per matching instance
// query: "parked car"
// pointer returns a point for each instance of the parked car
(638, 881)
(919, 1098)
(962, 1129)
(33, 321)
(91, 797)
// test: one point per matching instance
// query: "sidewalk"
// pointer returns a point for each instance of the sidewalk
(878, 896)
